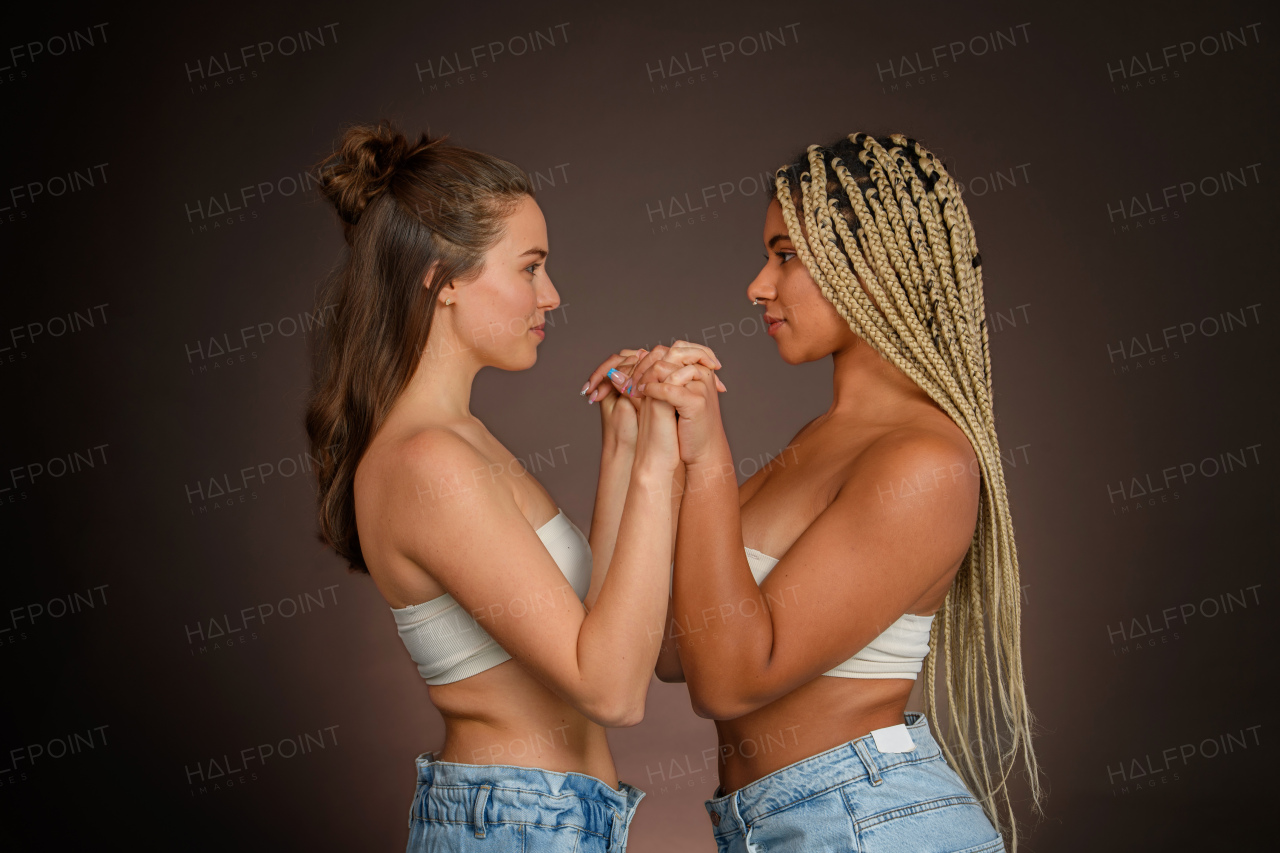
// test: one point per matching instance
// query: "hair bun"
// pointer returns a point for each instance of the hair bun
(363, 166)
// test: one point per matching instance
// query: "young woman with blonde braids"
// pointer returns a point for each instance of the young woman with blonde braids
(531, 638)
(883, 534)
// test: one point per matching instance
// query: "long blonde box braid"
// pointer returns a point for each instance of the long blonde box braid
(917, 255)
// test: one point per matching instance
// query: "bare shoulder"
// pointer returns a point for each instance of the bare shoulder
(444, 499)
(922, 468)
(437, 448)
(444, 470)
(918, 443)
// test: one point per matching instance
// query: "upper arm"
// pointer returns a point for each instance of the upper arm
(463, 526)
(899, 527)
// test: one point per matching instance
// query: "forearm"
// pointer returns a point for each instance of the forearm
(622, 633)
(668, 666)
(616, 460)
(677, 494)
(725, 619)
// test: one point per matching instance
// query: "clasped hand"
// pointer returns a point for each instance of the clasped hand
(677, 383)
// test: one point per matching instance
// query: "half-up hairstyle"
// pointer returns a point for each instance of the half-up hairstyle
(403, 206)
(886, 214)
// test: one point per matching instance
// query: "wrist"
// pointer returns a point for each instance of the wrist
(655, 472)
(615, 446)
(713, 457)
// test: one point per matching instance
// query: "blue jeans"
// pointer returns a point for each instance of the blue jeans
(854, 797)
(502, 807)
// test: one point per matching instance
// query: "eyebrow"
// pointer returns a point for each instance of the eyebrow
(776, 237)
(541, 253)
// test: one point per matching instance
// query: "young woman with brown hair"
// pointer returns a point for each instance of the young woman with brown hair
(532, 638)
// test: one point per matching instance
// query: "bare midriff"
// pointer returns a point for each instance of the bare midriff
(506, 716)
(813, 718)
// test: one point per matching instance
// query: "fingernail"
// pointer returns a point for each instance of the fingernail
(640, 387)
(627, 390)
(616, 376)
(585, 386)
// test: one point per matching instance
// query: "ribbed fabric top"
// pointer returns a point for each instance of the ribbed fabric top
(448, 645)
(897, 653)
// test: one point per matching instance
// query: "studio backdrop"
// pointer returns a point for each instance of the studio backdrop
(185, 666)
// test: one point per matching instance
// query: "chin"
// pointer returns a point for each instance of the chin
(795, 355)
(788, 353)
(526, 360)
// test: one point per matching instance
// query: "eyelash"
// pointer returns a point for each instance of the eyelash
(780, 254)
(532, 269)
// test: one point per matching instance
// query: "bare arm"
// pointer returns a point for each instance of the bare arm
(466, 530)
(617, 454)
(668, 668)
(618, 440)
(616, 461)
(869, 557)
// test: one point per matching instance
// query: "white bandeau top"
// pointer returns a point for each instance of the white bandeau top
(897, 653)
(448, 645)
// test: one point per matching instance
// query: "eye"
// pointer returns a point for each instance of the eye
(783, 257)
(532, 269)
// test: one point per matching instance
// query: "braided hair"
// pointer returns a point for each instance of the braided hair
(881, 227)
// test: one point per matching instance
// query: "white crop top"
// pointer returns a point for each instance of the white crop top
(896, 653)
(448, 645)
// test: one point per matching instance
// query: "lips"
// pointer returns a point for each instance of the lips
(774, 323)
(540, 330)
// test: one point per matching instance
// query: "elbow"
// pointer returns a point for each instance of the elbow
(630, 716)
(669, 674)
(615, 712)
(718, 705)
(714, 711)
(623, 716)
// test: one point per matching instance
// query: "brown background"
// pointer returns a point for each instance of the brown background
(1081, 412)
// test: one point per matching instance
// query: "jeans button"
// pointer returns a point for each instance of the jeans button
(715, 818)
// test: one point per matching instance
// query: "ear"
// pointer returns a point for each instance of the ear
(447, 290)
(448, 293)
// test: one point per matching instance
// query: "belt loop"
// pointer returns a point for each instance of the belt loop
(617, 835)
(873, 772)
(735, 804)
(622, 819)
(420, 789)
(477, 810)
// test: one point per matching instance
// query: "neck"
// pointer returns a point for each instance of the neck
(868, 386)
(440, 389)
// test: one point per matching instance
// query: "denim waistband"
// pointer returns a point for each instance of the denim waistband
(817, 774)
(461, 793)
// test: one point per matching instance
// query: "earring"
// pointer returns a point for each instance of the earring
(448, 301)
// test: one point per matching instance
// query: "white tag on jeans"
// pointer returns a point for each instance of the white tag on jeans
(894, 739)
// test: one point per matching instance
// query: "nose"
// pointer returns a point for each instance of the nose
(761, 288)
(548, 296)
